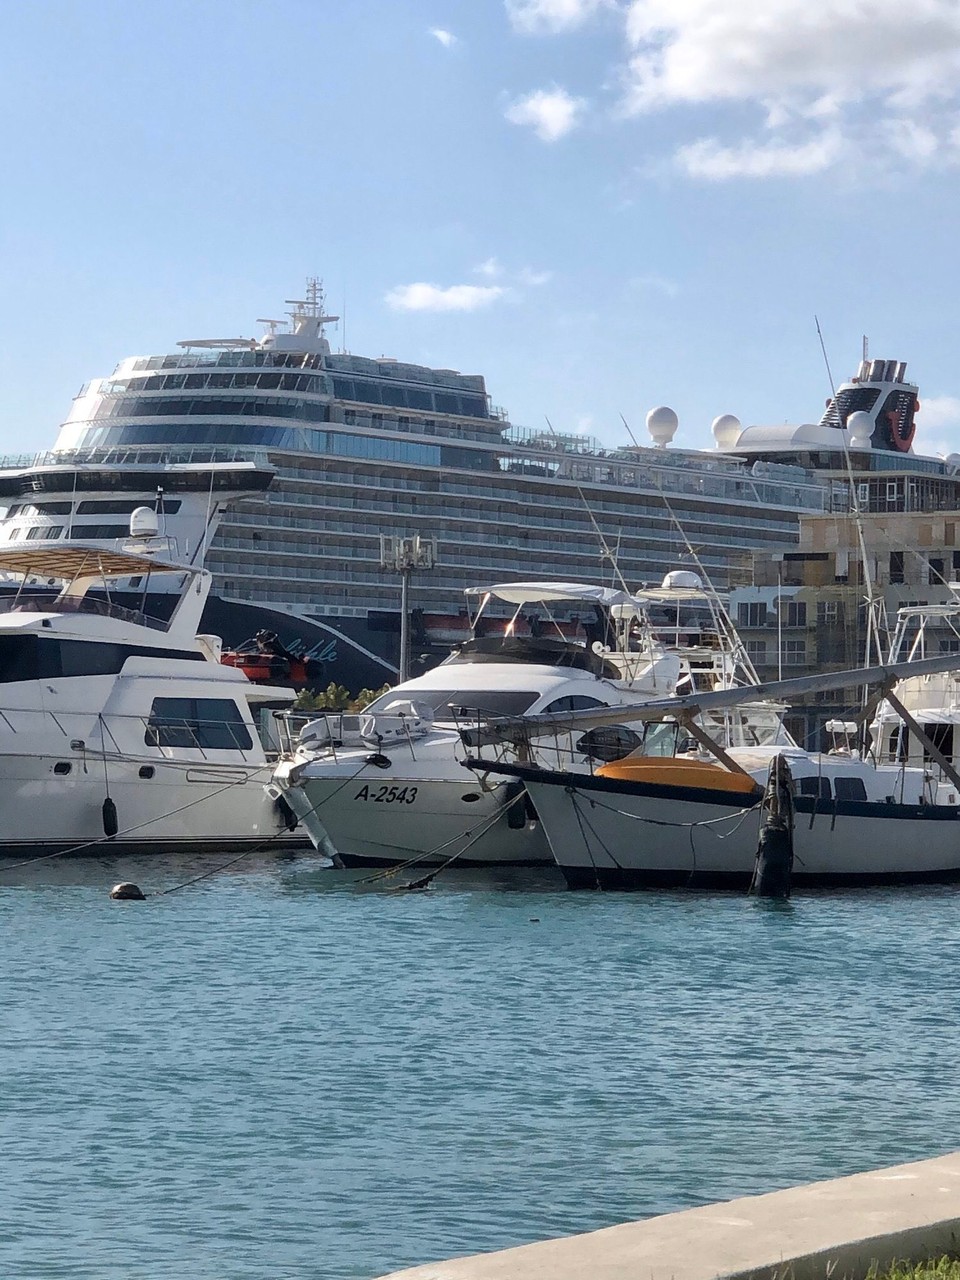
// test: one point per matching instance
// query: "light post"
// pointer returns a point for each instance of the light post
(403, 556)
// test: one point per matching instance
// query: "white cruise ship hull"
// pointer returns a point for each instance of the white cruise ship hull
(607, 836)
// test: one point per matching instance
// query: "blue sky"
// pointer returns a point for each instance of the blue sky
(601, 205)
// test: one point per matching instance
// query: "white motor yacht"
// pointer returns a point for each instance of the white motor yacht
(389, 785)
(120, 733)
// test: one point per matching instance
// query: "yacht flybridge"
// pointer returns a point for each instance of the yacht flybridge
(282, 459)
(119, 731)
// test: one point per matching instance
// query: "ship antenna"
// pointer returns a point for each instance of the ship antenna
(604, 547)
(737, 647)
(875, 611)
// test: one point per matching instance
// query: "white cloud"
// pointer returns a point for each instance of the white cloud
(938, 413)
(697, 51)
(446, 38)
(490, 269)
(551, 113)
(708, 159)
(533, 278)
(875, 81)
(533, 16)
(434, 297)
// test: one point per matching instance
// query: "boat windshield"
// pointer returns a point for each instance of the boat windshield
(465, 704)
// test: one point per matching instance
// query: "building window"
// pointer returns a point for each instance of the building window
(896, 566)
(893, 490)
(752, 614)
(757, 651)
(935, 571)
(794, 652)
(950, 645)
(828, 612)
(796, 615)
(863, 493)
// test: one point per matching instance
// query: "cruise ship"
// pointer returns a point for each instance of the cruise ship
(285, 467)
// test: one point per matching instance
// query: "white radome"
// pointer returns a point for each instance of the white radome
(726, 430)
(860, 426)
(662, 424)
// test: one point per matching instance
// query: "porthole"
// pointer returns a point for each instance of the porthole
(147, 771)
(470, 796)
(62, 767)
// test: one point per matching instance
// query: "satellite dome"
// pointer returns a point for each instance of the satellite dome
(860, 426)
(684, 578)
(726, 430)
(662, 424)
(144, 523)
(953, 460)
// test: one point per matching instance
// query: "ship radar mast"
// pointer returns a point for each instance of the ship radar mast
(305, 333)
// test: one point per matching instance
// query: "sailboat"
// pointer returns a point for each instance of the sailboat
(689, 817)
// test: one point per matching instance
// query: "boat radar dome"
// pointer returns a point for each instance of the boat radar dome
(144, 523)
(662, 424)
(860, 425)
(726, 430)
(953, 460)
(682, 578)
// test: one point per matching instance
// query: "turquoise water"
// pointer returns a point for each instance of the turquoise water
(276, 1073)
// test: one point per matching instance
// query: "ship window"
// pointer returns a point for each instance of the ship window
(101, 530)
(574, 702)
(122, 506)
(19, 658)
(814, 786)
(213, 724)
(44, 531)
(849, 789)
(449, 704)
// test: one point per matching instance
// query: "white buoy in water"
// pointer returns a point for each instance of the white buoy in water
(127, 892)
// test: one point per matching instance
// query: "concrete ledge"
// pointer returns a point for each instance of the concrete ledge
(824, 1229)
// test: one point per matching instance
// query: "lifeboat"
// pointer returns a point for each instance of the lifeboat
(677, 771)
(265, 660)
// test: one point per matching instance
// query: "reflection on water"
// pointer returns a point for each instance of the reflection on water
(283, 1071)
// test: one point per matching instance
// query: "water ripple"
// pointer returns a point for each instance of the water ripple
(283, 1073)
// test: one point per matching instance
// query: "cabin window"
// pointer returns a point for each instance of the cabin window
(850, 788)
(814, 786)
(610, 742)
(941, 735)
(213, 724)
(576, 702)
(450, 704)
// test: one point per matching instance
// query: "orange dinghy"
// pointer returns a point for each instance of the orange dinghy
(675, 771)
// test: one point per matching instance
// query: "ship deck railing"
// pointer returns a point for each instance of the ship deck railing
(133, 456)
